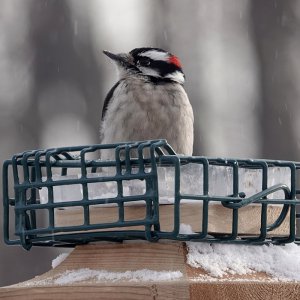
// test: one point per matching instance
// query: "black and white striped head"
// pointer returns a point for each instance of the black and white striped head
(154, 63)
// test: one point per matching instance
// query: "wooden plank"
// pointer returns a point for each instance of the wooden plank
(112, 292)
(127, 256)
(214, 291)
(113, 258)
(255, 286)
(245, 291)
(170, 256)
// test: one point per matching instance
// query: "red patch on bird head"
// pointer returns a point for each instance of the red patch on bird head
(175, 61)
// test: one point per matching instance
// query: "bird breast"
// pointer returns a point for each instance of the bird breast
(141, 111)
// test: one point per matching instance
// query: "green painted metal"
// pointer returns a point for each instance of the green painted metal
(26, 173)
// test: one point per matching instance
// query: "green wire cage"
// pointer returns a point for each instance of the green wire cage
(33, 205)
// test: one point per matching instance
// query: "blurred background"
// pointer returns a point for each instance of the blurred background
(241, 60)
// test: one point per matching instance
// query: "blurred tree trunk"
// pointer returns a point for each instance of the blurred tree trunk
(63, 60)
(276, 32)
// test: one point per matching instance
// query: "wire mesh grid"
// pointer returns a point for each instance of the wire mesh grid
(36, 213)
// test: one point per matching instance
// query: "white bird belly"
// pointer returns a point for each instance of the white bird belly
(151, 112)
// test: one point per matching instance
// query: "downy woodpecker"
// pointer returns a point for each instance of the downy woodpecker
(148, 101)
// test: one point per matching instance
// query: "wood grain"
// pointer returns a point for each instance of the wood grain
(245, 291)
(171, 256)
(127, 256)
(113, 292)
(114, 258)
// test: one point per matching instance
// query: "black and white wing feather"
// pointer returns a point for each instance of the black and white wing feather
(108, 98)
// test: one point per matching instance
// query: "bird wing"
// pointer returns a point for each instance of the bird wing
(108, 98)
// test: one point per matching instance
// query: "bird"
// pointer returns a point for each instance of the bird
(148, 101)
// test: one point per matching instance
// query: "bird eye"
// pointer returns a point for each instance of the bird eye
(144, 62)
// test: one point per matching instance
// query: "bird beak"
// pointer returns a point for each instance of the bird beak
(122, 59)
(112, 55)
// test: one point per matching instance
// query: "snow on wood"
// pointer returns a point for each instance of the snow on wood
(219, 260)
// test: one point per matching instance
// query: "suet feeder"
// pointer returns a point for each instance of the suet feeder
(69, 197)
(128, 198)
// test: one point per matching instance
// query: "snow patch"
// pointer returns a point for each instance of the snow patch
(186, 229)
(143, 275)
(280, 262)
(59, 259)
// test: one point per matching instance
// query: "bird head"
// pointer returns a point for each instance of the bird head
(153, 63)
